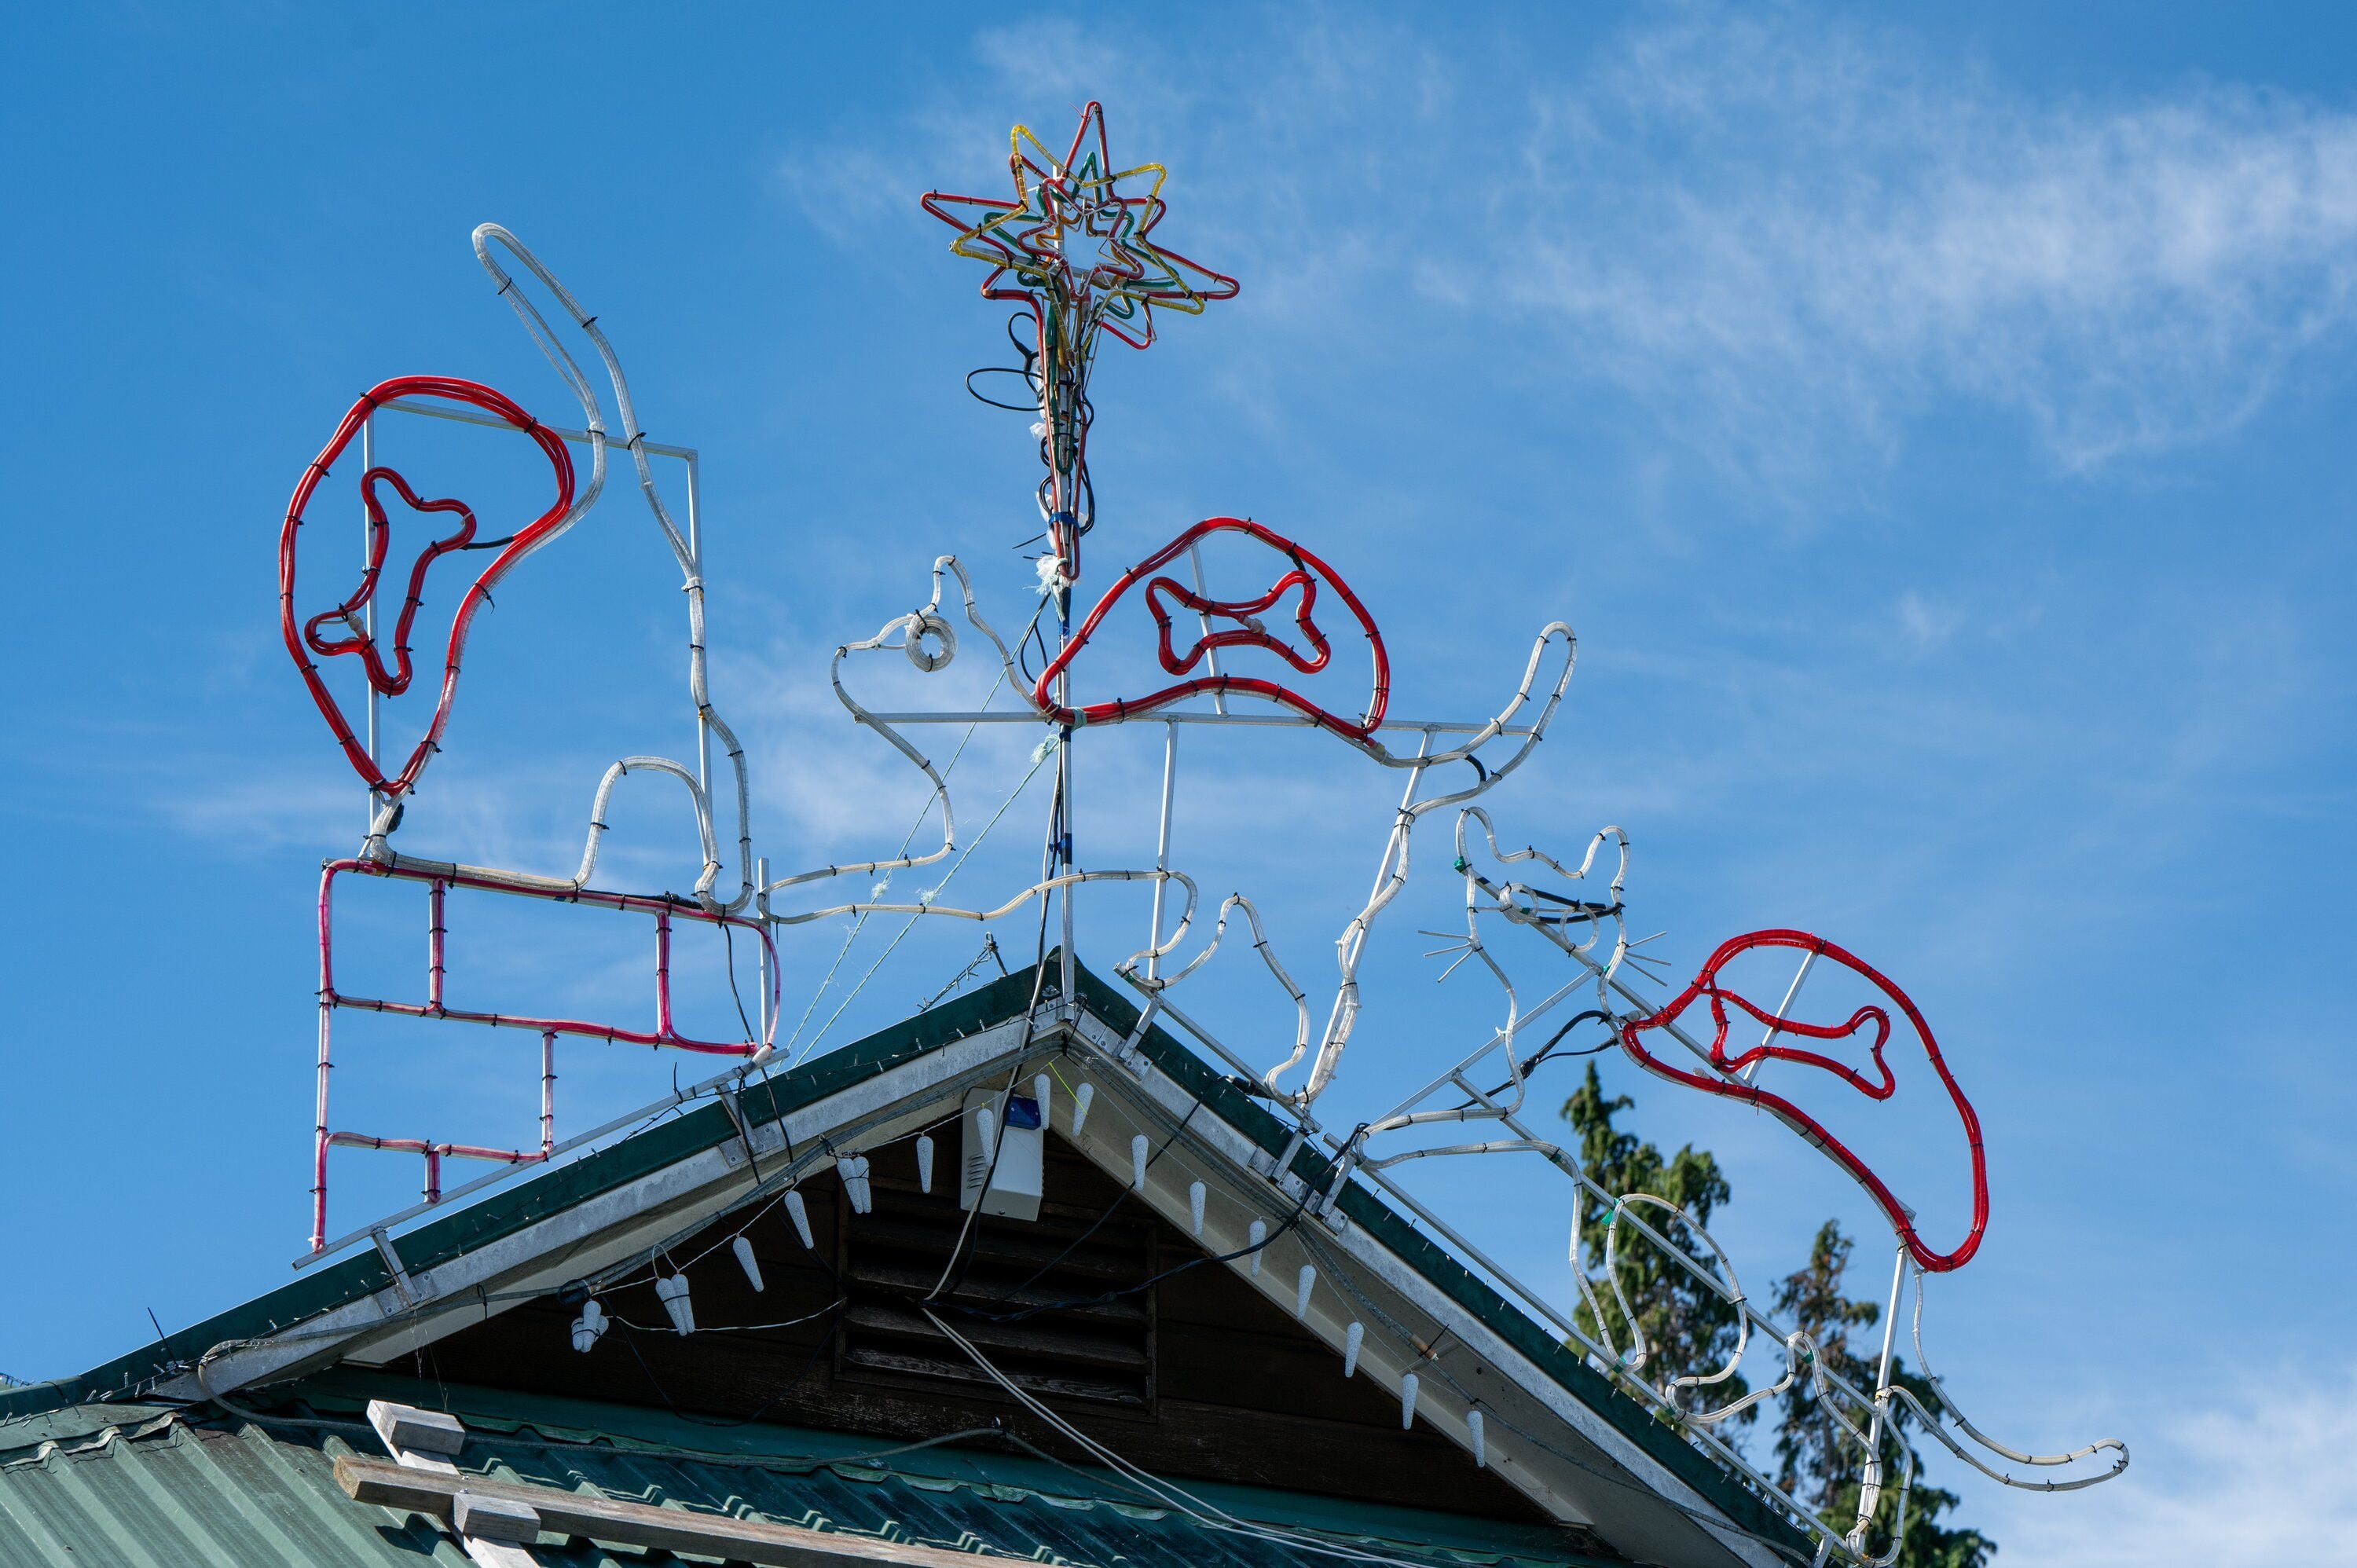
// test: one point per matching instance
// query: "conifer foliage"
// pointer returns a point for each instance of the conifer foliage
(1690, 1327)
(1816, 1460)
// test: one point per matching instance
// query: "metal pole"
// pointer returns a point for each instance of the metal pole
(1783, 1007)
(695, 551)
(1063, 452)
(1189, 717)
(547, 1091)
(769, 1024)
(1870, 1492)
(1162, 845)
(1064, 791)
(472, 416)
(367, 610)
(1210, 655)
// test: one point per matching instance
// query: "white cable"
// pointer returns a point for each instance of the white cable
(1269, 956)
(690, 568)
(1391, 870)
(853, 994)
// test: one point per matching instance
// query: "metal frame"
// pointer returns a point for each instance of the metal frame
(1067, 311)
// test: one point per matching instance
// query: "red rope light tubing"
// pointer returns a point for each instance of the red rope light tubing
(1705, 985)
(1306, 572)
(303, 640)
(663, 909)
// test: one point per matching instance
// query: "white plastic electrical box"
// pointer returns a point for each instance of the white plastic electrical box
(1012, 1171)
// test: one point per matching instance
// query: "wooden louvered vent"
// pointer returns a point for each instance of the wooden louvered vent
(1098, 1351)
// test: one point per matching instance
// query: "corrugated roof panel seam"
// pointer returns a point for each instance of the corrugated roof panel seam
(172, 1494)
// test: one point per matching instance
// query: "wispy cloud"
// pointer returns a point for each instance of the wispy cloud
(1788, 234)
(265, 811)
(1787, 228)
(2260, 1478)
(1925, 624)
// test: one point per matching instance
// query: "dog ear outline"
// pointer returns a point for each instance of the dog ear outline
(1305, 567)
(525, 539)
(1731, 1086)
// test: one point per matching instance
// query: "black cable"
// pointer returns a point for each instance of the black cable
(1548, 1053)
(729, 941)
(954, 1275)
(993, 402)
(1028, 370)
(1032, 634)
(833, 1326)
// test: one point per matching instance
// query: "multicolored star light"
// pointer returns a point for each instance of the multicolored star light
(1075, 250)
(1074, 241)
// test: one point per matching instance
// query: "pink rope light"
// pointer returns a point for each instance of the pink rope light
(1881, 1086)
(438, 881)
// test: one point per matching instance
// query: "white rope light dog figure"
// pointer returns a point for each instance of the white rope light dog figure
(1576, 927)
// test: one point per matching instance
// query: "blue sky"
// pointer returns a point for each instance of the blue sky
(1934, 425)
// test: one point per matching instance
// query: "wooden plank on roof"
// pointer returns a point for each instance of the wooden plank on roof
(612, 1523)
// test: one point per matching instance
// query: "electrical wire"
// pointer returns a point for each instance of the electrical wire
(860, 923)
(973, 967)
(834, 1327)
(835, 1305)
(902, 935)
(1170, 1494)
(998, 1142)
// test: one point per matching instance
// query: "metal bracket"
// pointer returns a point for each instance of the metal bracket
(752, 1143)
(767, 1139)
(410, 1289)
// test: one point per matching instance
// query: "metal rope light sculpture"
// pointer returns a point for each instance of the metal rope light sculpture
(1575, 926)
(350, 627)
(1076, 246)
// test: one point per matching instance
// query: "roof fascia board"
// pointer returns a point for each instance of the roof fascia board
(1549, 1361)
(1614, 1487)
(622, 1221)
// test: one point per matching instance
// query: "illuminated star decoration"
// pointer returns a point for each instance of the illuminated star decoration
(1075, 250)
(1074, 241)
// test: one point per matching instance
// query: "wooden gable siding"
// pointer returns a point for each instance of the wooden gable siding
(1238, 1391)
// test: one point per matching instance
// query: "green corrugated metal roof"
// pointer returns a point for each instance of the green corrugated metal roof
(171, 1492)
